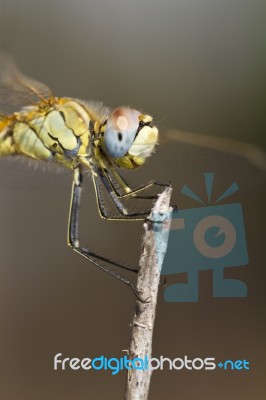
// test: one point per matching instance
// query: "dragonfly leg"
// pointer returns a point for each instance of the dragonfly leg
(98, 178)
(73, 239)
(128, 191)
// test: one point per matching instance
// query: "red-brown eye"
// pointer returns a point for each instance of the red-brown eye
(120, 131)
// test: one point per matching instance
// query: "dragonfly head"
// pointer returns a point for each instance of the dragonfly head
(129, 137)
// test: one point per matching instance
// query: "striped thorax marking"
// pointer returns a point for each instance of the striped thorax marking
(60, 133)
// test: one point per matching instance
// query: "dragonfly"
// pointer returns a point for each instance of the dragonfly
(81, 136)
(87, 136)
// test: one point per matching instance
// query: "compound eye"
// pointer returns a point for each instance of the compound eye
(120, 131)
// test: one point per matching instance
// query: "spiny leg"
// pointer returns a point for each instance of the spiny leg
(132, 192)
(73, 230)
(127, 189)
(98, 178)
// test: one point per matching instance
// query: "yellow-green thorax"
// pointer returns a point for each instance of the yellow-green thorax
(57, 131)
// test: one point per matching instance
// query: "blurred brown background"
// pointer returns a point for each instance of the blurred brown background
(197, 65)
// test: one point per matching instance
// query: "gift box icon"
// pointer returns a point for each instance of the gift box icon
(210, 237)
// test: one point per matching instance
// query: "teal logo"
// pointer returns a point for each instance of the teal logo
(209, 237)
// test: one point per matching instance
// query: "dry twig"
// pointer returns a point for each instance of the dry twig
(154, 244)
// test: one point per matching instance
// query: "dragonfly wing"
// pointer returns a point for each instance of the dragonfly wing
(16, 89)
(250, 152)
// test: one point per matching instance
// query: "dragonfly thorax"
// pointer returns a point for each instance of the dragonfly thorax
(59, 133)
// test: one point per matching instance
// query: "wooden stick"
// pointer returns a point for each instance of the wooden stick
(154, 245)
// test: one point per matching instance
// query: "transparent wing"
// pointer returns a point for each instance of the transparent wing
(16, 89)
(250, 152)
